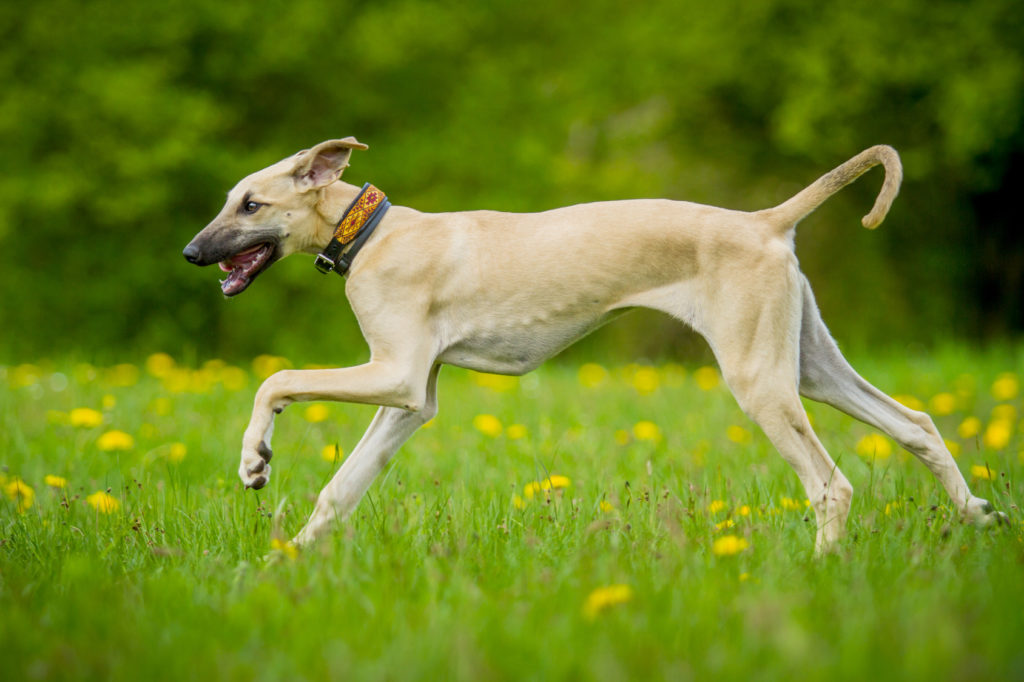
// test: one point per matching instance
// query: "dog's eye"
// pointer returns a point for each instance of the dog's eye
(251, 207)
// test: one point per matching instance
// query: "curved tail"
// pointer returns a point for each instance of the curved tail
(791, 212)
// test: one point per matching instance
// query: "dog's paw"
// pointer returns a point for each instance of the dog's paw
(982, 514)
(254, 469)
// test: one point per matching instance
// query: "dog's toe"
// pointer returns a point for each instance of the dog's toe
(264, 451)
(253, 470)
(981, 513)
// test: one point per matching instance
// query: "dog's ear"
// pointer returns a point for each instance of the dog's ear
(324, 163)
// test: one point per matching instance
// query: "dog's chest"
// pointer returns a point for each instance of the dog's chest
(513, 344)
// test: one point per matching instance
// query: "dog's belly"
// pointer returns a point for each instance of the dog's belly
(517, 348)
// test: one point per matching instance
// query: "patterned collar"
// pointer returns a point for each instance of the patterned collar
(355, 227)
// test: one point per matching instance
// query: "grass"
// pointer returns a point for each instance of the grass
(449, 570)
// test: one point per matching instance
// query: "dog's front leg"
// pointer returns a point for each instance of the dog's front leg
(377, 382)
(389, 429)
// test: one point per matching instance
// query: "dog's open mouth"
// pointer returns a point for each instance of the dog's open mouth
(243, 267)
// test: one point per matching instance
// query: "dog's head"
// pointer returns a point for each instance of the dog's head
(270, 214)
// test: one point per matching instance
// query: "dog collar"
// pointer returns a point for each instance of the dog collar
(355, 227)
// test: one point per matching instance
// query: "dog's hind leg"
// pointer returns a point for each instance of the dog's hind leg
(769, 396)
(391, 427)
(754, 334)
(826, 377)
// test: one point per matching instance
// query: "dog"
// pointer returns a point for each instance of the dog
(502, 292)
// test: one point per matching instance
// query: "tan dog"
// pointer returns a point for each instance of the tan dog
(502, 292)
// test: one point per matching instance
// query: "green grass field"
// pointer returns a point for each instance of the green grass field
(578, 523)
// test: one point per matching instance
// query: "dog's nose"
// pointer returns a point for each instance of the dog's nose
(191, 253)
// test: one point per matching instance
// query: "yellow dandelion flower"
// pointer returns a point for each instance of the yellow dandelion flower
(969, 428)
(115, 440)
(744, 577)
(55, 481)
(982, 472)
(159, 365)
(516, 431)
(891, 507)
(943, 404)
(1006, 386)
(201, 380)
(531, 489)
(108, 402)
(176, 453)
(25, 375)
(265, 365)
(552, 482)
(603, 598)
(499, 383)
(122, 375)
(518, 502)
(716, 506)
(103, 502)
(728, 545)
(284, 547)
(555, 481)
(161, 407)
(234, 378)
(953, 447)
(646, 380)
(744, 510)
(707, 378)
(789, 504)
(606, 506)
(21, 493)
(738, 434)
(1004, 412)
(177, 381)
(622, 437)
(997, 435)
(909, 401)
(725, 525)
(874, 447)
(647, 430)
(85, 417)
(488, 424)
(592, 375)
(317, 412)
(332, 453)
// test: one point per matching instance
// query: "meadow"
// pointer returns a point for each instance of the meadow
(581, 522)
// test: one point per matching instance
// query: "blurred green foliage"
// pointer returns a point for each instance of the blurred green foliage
(123, 124)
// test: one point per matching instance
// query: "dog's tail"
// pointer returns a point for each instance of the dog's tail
(788, 214)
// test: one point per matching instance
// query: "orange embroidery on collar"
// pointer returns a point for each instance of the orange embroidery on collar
(357, 216)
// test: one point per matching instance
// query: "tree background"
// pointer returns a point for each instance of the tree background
(122, 125)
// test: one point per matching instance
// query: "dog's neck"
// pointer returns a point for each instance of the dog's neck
(334, 199)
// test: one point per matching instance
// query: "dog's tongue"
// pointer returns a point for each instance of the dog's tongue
(240, 268)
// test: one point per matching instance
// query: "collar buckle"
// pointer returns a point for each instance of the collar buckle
(323, 263)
